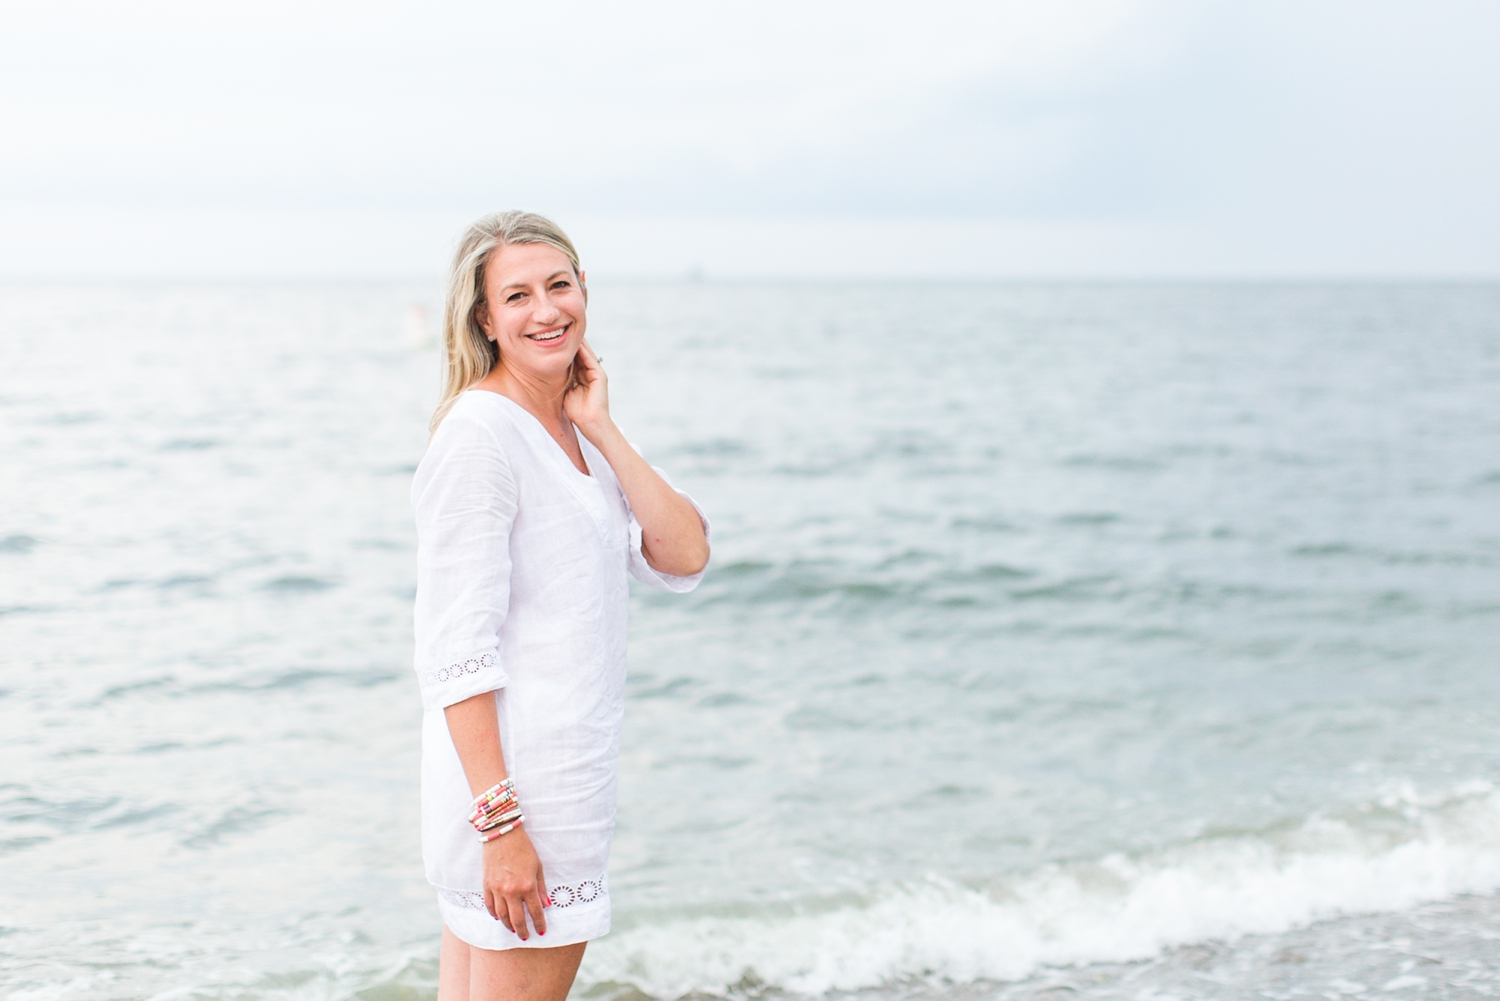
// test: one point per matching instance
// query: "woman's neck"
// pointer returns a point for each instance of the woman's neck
(541, 397)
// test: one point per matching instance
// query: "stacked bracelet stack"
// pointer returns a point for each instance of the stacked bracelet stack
(495, 811)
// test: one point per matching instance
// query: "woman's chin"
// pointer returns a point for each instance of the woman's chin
(547, 363)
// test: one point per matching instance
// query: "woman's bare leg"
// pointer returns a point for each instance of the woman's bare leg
(523, 974)
(453, 968)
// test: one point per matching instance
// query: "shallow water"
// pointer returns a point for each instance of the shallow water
(1049, 628)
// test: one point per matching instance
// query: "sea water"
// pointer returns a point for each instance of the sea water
(1108, 641)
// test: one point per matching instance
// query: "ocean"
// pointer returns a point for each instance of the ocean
(1060, 640)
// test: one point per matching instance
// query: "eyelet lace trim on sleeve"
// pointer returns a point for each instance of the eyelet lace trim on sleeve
(457, 670)
(563, 895)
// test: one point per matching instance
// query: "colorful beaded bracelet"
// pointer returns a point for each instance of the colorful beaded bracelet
(498, 806)
(495, 797)
(492, 807)
(495, 811)
(502, 789)
(497, 832)
(495, 822)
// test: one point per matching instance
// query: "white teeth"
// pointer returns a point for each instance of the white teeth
(554, 335)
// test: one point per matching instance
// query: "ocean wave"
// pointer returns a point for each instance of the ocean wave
(1391, 854)
(17, 544)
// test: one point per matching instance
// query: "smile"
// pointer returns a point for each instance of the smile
(549, 336)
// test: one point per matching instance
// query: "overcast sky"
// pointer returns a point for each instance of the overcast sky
(1110, 138)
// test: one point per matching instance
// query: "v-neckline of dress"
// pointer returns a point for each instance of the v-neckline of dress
(589, 490)
(557, 448)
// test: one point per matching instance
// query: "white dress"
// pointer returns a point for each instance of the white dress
(522, 590)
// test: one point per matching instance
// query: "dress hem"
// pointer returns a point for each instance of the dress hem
(478, 929)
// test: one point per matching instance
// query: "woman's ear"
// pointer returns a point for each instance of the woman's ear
(482, 317)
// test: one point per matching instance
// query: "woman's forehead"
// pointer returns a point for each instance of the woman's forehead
(526, 262)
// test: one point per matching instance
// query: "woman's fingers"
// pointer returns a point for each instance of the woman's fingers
(516, 908)
(591, 358)
(543, 898)
(534, 905)
(497, 908)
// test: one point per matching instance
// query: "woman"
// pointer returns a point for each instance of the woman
(531, 510)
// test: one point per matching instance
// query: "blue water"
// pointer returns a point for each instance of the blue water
(1052, 632)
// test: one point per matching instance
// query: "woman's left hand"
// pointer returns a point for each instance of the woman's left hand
(587, 403)
(673, 540)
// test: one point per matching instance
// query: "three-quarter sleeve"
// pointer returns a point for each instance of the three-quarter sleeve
(643, 571)
(464, 495)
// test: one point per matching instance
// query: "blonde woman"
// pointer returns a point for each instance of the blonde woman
(532, 510)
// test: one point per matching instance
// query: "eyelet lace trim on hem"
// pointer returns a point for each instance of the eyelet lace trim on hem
(563, 895)
(457, 670)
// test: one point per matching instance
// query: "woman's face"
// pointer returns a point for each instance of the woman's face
(534, 308)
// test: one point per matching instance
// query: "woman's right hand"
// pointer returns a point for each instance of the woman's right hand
(514, 883)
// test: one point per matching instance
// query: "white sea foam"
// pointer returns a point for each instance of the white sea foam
(1398, 852)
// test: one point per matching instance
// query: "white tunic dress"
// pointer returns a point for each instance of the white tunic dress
(522, 565)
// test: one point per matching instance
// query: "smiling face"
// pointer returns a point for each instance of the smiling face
(533, 309)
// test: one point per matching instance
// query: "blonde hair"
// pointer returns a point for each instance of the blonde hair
(468, 355)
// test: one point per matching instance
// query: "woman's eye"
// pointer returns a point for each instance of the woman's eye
(514, 297)
(561, 284)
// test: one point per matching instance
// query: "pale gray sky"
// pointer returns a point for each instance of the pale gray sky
(1097, 137)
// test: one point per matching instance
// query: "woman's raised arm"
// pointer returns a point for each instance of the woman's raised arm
(673, 539)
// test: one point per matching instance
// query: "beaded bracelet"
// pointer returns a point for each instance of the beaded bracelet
(496, 797)
(494, 822)
(502, 790)
(490, 809)
(492, 835)
(490, 817)
(495, 811)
